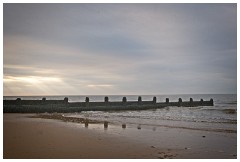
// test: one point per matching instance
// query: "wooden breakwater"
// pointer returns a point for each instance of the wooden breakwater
(63, 106)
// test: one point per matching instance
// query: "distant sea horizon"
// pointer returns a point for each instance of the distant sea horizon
(120, 94)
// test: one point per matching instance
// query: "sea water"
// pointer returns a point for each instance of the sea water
(222, 117)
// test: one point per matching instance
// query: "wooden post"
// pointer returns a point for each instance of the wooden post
(105, 124)
(66, 100)
(124, 99)
(201, 101)
(211, 100)
(18, 101)
(154, 99)
(123, 126)
(86, 123)
(179, 102)
(87, 101)
(106, 99)
(167, 100)
(191, 100)
(43, 100)
(139, 99)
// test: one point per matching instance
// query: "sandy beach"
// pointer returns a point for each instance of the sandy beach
(38, 138)
(42, 138)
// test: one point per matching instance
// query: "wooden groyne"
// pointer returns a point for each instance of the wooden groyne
(63, 106)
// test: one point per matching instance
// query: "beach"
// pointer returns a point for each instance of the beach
(41, 138)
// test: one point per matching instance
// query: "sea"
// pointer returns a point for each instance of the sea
(222, 117)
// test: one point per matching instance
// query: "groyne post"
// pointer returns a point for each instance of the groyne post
(44, 100)
(179, 102)
(124, 100)
(211, 101)
(191, 102)
(66, 100)
(87, 101)
(201, 101)
(139, 99)
(105, 125)
(86, 123)
(154, 100)
(167, 100)
(18, 101)
(106, 101)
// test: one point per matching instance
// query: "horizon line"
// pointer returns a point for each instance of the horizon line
(122, 94)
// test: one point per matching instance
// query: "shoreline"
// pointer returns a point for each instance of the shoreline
(87, 121)
(26, 137)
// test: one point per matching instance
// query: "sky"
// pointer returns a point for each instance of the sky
(119, 49)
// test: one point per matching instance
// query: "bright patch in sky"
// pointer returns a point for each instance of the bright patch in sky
(31, 79)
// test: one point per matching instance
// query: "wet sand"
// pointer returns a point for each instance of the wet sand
(43, 138)
(25, 137)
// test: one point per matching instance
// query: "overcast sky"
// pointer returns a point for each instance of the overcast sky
(82, 49)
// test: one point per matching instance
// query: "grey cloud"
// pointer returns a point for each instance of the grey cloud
(138, 48)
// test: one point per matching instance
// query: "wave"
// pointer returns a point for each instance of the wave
(200, 129)
(154, 119)
(230, 111)
(232, 103)
(227, 111)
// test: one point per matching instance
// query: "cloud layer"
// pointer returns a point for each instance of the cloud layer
(119, 49)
